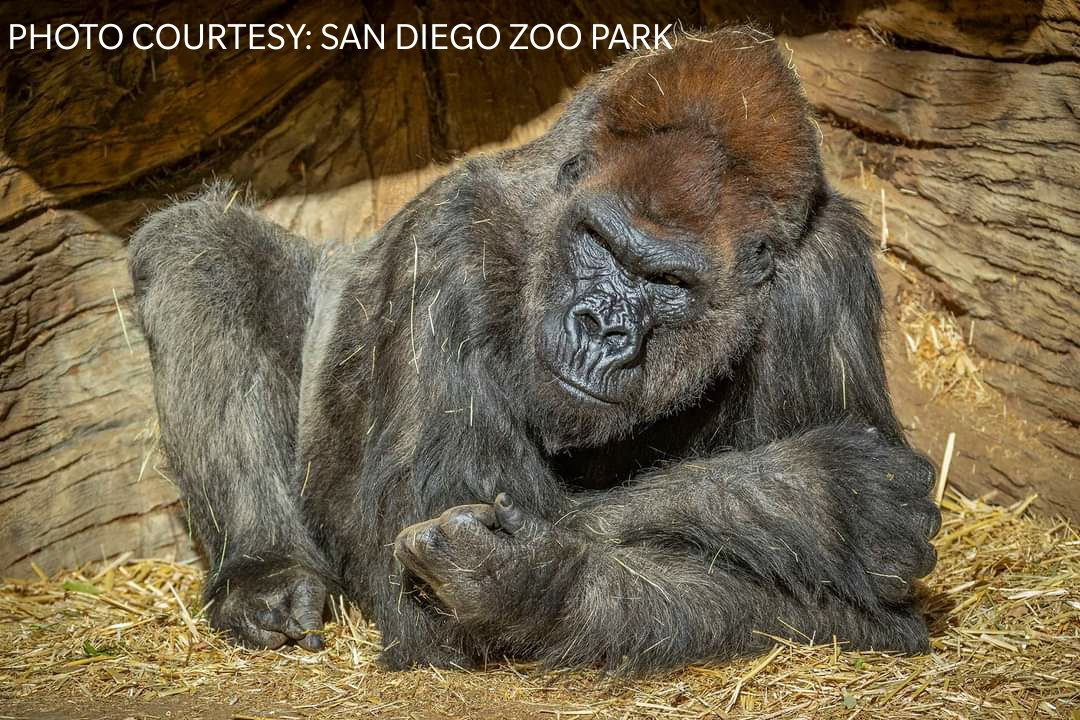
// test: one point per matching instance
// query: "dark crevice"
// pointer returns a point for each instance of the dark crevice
(25, 483)
(1049, 439)
(31, 428)
(875, 136)
(949, 304)
(22, 216)
(438, 125)
(901, 42)
(35, 335)
(124, 518)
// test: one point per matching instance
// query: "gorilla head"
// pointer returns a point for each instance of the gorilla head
(697, 171)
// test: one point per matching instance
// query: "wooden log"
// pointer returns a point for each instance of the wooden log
(1013, 29)
(83, 121)
(977, 159)
(77, 433)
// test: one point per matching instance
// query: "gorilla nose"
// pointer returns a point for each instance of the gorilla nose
(596, 327)
(612, 332)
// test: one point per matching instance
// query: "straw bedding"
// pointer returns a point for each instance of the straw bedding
(125, 639)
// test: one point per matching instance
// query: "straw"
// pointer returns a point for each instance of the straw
(1004, 605)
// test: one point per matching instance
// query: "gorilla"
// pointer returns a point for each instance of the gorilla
(613, 399)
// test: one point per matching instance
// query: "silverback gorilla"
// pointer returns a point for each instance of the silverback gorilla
(614, 398)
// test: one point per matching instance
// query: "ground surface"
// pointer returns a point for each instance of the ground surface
(126, 640)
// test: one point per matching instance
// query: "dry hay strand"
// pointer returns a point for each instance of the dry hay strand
(940, 351)
(1004, 605)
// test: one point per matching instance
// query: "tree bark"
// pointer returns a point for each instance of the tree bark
(978, 162)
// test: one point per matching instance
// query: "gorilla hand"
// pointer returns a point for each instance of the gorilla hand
(501, 571)
(894, 518)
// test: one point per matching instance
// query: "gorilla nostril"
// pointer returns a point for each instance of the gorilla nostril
(589, 322)
(594, 327)
(618, 339)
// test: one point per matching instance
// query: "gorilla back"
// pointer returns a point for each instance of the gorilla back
(612, 398)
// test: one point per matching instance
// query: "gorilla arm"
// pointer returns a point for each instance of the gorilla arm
(703, 560)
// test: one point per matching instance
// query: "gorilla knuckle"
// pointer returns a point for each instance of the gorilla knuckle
(923, 472)
(467, 520)
(930, 517)
(429, 540)
(457, 518)
(927, 561)
(271, 616)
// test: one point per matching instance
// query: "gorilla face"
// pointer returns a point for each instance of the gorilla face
(638, 305)
(624, 282)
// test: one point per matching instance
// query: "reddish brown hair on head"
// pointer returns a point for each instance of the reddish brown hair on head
(715, 127)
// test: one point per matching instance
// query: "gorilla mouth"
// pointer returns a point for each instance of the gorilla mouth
(580, 391)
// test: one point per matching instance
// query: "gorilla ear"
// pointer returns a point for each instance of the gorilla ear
(755, 258)
(571, 171)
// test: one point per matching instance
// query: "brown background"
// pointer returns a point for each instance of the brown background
(966, 114)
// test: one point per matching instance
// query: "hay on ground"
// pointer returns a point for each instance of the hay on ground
(940, 350)
(1004, 602)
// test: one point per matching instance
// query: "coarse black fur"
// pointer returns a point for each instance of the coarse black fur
(613, 398)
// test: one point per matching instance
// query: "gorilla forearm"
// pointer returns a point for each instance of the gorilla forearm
(817, 536)
(641, 608)
(522, 586)
(826, 511)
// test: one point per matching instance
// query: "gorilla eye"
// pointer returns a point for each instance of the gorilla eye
(668, 279)
(598, 239)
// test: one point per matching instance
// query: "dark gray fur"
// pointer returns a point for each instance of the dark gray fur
(314, 403)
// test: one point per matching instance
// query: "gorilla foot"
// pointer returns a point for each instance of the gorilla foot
(268, 604)
(900, 629)
(425, 654)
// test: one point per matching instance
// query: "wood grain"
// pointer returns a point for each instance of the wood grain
(978, 162)
(1008, 29)
(78, 476)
